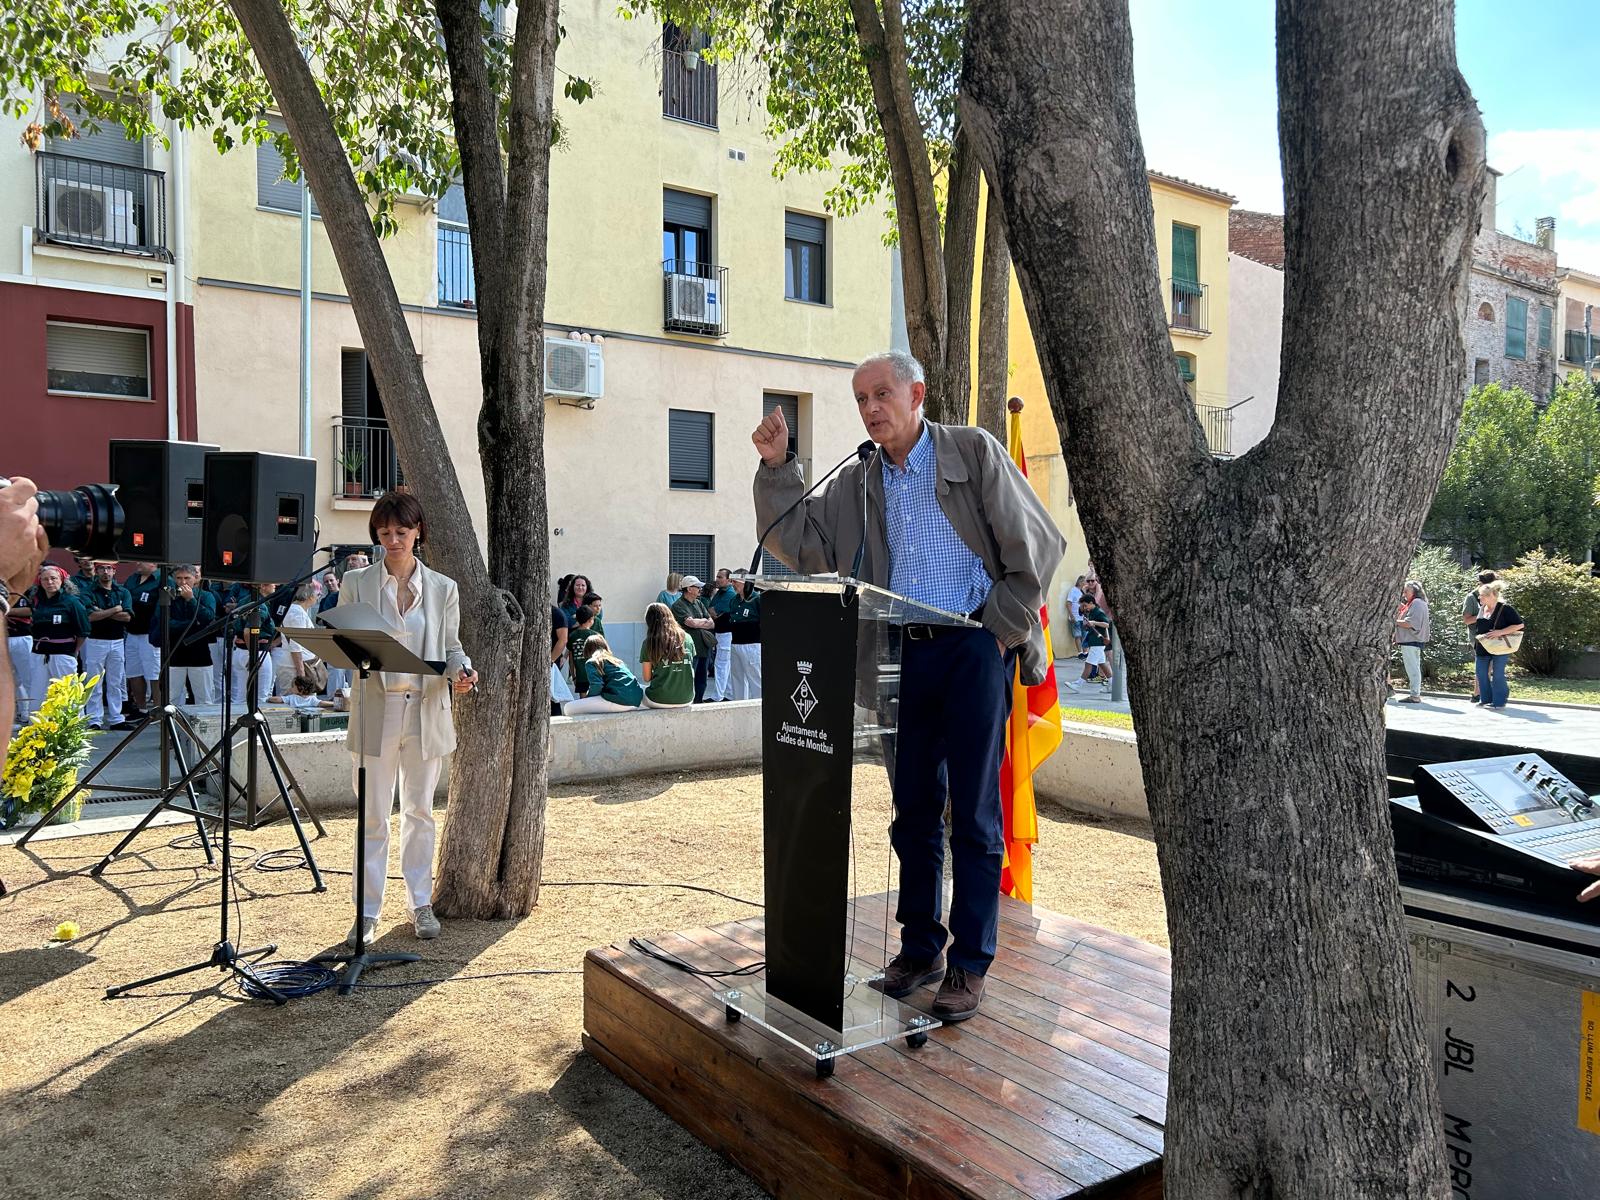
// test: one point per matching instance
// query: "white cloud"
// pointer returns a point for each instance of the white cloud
(1552, 172)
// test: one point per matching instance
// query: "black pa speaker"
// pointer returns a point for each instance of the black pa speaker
(162, 489)
(258, 520)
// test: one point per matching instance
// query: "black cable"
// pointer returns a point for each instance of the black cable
(671, 960)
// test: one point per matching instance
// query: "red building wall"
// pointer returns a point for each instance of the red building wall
(60, 441)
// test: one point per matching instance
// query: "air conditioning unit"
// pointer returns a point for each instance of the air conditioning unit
(695, 302)
(574, 370)
(90, 210)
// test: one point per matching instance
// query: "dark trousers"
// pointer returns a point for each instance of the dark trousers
(955, 699)
(702, 663)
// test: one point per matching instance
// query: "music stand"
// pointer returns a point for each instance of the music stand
(362, 651)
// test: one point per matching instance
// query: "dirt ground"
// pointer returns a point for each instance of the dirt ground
(455, 1087)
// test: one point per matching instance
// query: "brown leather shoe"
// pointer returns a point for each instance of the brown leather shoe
(959, 995)
(904, 975)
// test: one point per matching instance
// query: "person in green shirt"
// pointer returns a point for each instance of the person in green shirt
(1096, 637)
(584, 627)
(697, 622)
(666, 660)
(612, 687)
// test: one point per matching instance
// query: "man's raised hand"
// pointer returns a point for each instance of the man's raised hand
(771, 438)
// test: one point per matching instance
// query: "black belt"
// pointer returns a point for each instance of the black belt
(926, 633)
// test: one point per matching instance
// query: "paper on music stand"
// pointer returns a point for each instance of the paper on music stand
(354, 616)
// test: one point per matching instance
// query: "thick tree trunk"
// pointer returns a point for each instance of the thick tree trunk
(949, 396)
(994, 322)
(1253, 597)
(489, 862)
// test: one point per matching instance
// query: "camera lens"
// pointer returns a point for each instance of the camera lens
(86, 520)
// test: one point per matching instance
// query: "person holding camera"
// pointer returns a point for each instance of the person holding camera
(105, 652)
(23, 545)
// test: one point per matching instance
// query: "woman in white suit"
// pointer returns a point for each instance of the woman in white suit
(402, 723)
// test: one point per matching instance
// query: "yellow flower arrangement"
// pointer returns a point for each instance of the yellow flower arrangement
(43, 761)
(65, 932)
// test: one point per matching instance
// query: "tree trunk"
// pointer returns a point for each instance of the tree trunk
(949, 396)
(489, 862)
(1254, 597)
(994, 322)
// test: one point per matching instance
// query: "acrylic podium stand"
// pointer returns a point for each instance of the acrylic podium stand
(830, 682)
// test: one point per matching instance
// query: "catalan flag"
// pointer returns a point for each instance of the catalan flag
(1032, 736)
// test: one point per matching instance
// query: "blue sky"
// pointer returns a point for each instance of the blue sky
(1205, 79)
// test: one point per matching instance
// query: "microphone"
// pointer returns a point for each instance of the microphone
(861, 452)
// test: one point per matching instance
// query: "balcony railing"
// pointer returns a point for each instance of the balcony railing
(696, 298)
(365, 463)
(1575, 347)
(1191, 308)
(1218, 424)
(456, 286)
(688, 83)
(81, 202)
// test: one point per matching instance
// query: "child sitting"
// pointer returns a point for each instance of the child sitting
(304, 698)
(666, 660)
(612, 687)
(584, 626)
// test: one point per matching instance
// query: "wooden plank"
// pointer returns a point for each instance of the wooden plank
(896, 1091)
(781, 1080)
(717, 1094)
(1101, 1095)
(1056, 1089)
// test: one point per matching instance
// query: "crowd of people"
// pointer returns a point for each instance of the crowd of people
(112, 632)
(702, 645)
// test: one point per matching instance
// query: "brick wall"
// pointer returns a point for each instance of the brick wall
(1505, 267)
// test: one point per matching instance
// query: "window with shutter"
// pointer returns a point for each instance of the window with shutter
(691, 554)
(1186, 256)
(805, 258)
(1516, 327)
(1547, 323)
(272, 189)
(108, 144)
(97, 360)
(790, 404)
(689, 453)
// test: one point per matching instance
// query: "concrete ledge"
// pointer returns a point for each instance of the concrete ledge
(1096, 770)
(602, 746)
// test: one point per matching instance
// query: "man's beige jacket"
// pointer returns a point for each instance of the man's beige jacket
(986, 499)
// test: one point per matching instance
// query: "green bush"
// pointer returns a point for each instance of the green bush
(1559, 601)
(1446, 582)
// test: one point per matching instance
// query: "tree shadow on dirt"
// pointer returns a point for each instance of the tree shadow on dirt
(23, 970)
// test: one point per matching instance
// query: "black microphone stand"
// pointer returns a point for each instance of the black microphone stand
(863, 452)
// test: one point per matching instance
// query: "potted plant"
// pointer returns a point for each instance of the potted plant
(43, 761)
(350, 464)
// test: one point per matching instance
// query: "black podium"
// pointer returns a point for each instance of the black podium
(363, 651)
(830, 687)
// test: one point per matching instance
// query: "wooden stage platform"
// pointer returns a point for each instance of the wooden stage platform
(1056, 1089)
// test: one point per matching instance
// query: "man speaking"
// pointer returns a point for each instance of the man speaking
(950, 523)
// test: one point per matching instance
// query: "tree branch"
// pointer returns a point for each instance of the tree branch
(953, 403)
(994, 321)
(883, 47)
(414, 423)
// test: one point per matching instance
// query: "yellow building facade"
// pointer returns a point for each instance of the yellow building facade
(1191, 224)
(703, 289)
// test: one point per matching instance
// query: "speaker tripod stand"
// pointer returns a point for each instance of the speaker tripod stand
(224, 955)
(258, 735)
(175, 728)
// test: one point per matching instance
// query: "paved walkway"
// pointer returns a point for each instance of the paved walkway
(1571, 728)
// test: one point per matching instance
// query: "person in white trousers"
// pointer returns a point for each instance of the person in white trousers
(400, 725)
(27, 668)
(144, 664)
(189, 666)
(60, 623)
(104, 654)
(719, 600)
(261, 661)
(744, 623)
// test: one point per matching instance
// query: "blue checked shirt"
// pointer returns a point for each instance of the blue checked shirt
(928, 561)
